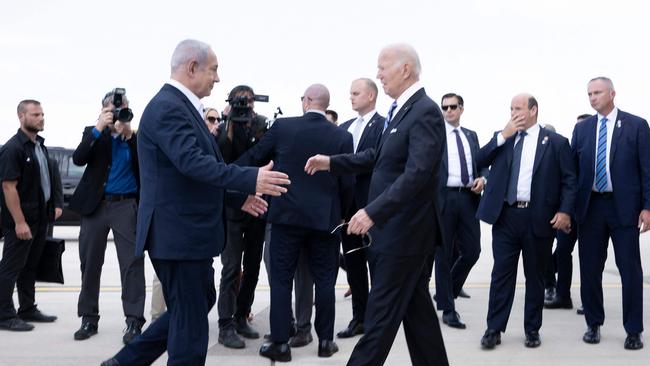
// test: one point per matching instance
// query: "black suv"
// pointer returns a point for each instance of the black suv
(70, 177)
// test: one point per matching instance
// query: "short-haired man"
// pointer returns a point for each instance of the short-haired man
(611, 151)
(460, 184)
(332, 116)
(27, 208)
(106, 199)
(530, 195)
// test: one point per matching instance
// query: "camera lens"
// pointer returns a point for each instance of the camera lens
(123, 114)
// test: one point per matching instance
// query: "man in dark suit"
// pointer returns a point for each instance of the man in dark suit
(303, 218)
(106, 199)
(460, 184)
(366, 130)
(181, 213)
(530, 194)
(402, 215)
(611, 152)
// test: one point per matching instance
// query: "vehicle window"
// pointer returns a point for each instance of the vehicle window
(75, 171)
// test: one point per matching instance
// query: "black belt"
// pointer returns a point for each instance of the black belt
(518, 204)
(605, 195)
(118, 197)
(459, 189)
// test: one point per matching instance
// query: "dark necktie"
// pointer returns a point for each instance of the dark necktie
(601, 157)
(464, 174)
(511, 195)
(390, 115)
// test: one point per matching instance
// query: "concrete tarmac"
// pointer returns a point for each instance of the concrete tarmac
(561, 333)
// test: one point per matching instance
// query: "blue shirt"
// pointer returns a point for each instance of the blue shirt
(121, 179)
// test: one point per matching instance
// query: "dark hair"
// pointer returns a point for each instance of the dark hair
(453, 95)
(335, 116)
(239, 89)
(583, 116)
(22, 106)
(109, 98)
(532, 102)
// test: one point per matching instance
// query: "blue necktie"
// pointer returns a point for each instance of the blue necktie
(511, 196)
(601, 157)
(464, 174)
(390, 115)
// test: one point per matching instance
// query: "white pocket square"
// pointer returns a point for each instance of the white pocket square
(393, 130)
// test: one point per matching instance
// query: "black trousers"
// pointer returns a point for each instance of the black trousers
(601, 224)
(244, 244)
(563, 256)
(18, 269)
(512, 234)
(120, 217)
(356, 268)
(286, 245)
(182, 330)
(462, 231)
(400, 294)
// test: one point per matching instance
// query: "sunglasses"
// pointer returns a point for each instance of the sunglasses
(453, 107)
(211, 119)
(355, 249)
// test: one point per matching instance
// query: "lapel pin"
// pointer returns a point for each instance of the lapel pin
(29, 159)
(545, 140)
(618, 123)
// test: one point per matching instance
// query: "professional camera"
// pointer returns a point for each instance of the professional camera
(120, 114)
(240, 111)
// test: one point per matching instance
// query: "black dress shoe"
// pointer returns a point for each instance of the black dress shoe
(15, 324)
(354, 328)
(559, 303)
(633, 341)
(549, 294)
(86, 331)
(452, 319)
(532, 339)
(327, 348)
(276, 351)
(229, 338)
(491, 338)
(35, 316)
(580, 311)
(301, 339)
(463, 294)
(133, 329)
(243, 327)
(592, 335)
(110, 362)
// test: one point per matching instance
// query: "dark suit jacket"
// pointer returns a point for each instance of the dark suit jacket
(477, 171)
(369, 138)
(98, 155)
(402, 198)
(628, 165)
(184, 178)
(314, 202)
(553, 185)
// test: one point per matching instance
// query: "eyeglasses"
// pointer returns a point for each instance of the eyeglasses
(453, 107)
(211, 119)
(355, 249)
(303, 98)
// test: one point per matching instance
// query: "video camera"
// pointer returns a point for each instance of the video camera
(120, 114)
(240, 111)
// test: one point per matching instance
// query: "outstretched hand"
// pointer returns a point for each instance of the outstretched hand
(317, 163)
(270, 182)
(255, 205)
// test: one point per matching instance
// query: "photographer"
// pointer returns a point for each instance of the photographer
(106, 199)
(241, 128)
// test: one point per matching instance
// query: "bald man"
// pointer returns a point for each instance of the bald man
(305, 217)
(530, 195)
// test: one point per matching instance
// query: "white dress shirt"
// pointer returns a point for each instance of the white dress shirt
(196, 102)
(611, 125)
(357, 127)
(528, 152)
(408, 93)
(453, 157)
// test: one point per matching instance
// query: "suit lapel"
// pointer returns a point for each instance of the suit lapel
(200, 124)
(473, 149)
(542, 142)
(591, 131)
(398, 117)
(616, 135)
(366, 130)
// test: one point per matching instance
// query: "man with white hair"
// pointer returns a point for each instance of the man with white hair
(401, 215)
(180, 219)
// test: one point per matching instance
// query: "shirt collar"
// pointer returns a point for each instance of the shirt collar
(23, 138)
(450, 128)
(196, 102)
(406, 95)
(611, 117)
(316, 111)
(368, 116)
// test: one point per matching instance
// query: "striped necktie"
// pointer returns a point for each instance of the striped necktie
(601, 157)
(389, 117)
